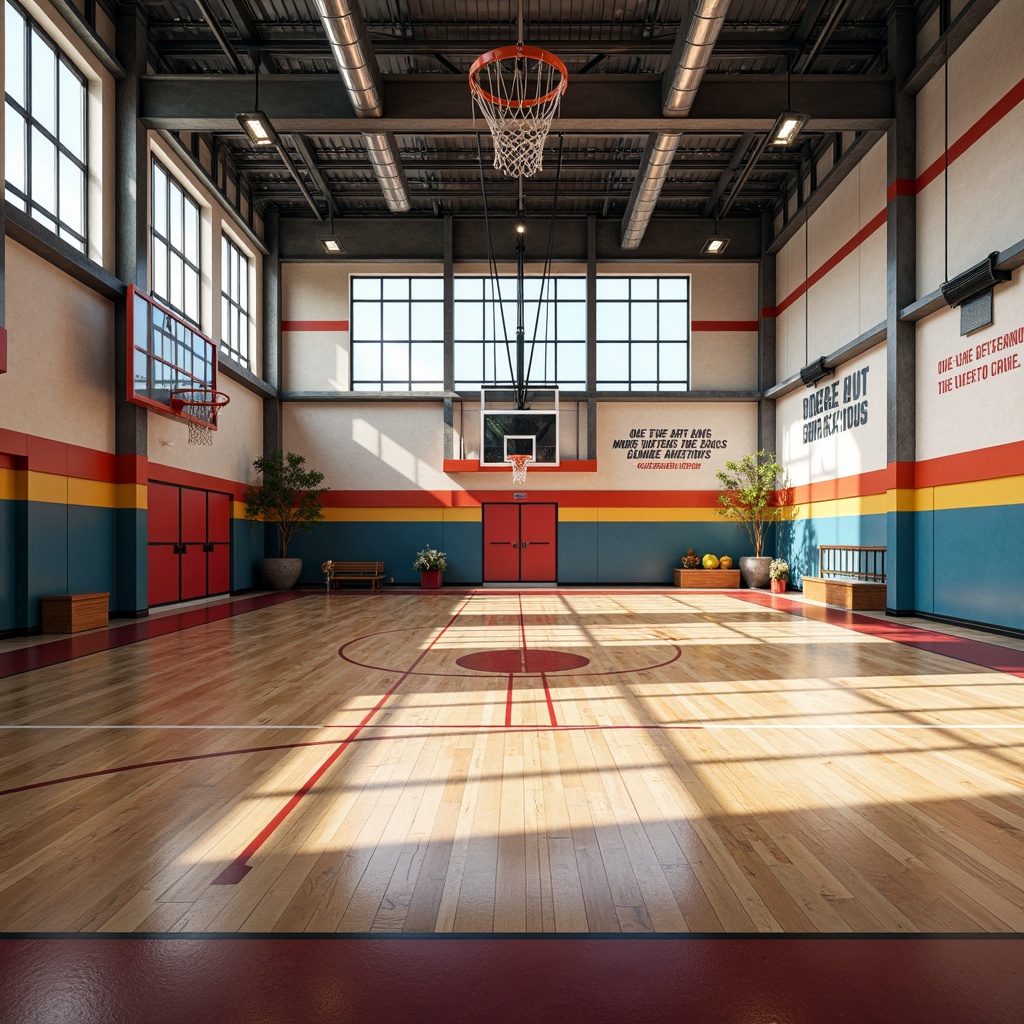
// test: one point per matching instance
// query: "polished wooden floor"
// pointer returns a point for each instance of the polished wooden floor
(327, 765)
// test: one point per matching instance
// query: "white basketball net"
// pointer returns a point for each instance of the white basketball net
(519, 464)
(199, 409)
(519, 96)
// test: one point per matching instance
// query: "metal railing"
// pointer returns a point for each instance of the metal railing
(849, 562)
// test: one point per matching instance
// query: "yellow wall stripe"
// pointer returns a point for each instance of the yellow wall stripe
(8, 485)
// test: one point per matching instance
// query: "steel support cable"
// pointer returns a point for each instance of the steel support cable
(493, 267)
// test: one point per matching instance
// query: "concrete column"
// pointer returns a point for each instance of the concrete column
(591, 337)
(901, 286)
(272, 344)
(130, 191)
(766, 364)
(449, 338)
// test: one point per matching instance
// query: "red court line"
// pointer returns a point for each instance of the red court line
(27, 659)
(547, 697)
(972, 652)
(238, 868)
(522, 632)
(508, 701)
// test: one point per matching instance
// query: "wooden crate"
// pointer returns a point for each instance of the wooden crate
(854, 595)
(71, 613)
(707, 579)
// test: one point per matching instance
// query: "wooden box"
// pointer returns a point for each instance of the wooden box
(707, 579)
(72, 613)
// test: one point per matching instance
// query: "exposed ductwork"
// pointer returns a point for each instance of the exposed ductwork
(383, 154)
(694, 43)
(654, 167)
(690, 56)
(346, 33)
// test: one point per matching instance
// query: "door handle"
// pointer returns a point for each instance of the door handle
(524, 543)
(515, 545)
(208, 547)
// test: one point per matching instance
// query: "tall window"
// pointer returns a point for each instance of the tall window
(234, 301)
(45, 129)
(643, 333)
(397, 332)
(175, 236)
(555, 332)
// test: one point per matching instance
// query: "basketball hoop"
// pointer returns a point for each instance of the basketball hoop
(198, 407)
(519, 464)
(518, 90)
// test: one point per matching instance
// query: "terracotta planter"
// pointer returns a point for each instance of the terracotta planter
(430, 579)
(281, 573)
(778, 586)
(754, 571)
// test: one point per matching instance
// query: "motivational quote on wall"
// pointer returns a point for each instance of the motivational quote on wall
(669, 447)
(981, 361)
(837, 407)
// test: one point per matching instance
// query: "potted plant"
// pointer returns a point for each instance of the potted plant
(749, 496)
(290, 497)
(430, 563)
(778, 571)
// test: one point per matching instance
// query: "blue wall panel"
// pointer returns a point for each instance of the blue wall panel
(246, 552)
(979, 564)
(132, 561)
(464, 545)
(648, 552)
(46, 557)
(924, 547)
(92, 551)
(7, 565)
(577, 552)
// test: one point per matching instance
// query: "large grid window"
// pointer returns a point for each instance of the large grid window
(45, 131)
(175, 251)
(234, 302)
(643, 333)
(555, 332)
(397, 333)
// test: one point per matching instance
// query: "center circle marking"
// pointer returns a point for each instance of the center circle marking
(514, 659)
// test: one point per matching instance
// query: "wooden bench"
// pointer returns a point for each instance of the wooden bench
(850, 577)
(707, 579)
(336, 572)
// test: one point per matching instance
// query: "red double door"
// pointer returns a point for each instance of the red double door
(520, 542)
(189, 543)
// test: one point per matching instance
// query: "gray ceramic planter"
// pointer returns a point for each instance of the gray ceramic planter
(754, 571)
(281, 573)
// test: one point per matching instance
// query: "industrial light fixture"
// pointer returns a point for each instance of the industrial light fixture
(332, 246)
(714, 246)
(520, 227)
(817, 371)
(787, 128)
(259, 129)
(982, 277)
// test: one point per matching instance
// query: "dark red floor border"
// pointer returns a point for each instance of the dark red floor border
(546, 980)
(25, 659)
(973, 652)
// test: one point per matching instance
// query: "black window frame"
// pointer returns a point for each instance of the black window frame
(24, 198)
(234, 263)
(161, 290)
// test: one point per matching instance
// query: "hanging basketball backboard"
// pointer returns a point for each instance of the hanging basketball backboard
(172, 365)
(507, 430)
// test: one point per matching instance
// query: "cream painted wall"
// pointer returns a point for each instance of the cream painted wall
(986, 205)
(60, 378)
(237, 441)
(810, 458)
(981, 404)
(730, 429)
(850, 298)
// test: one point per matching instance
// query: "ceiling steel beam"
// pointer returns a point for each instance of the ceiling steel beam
(835, 16)
(252, 163)
(441, 190)
(308, 157)
(302, 45)
(727, 173)
(602, 105)
(213, 22)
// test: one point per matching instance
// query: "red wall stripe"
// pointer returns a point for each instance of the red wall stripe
(566, 499)
(314, 325)
(855, 486)
(723, 325)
